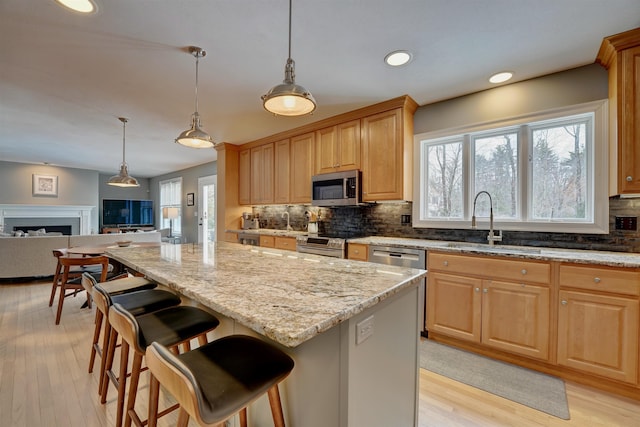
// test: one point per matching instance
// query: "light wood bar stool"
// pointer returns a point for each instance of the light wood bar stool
(217, 380)
(171, 327)
(136, 294)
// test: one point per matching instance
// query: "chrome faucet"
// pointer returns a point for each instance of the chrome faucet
(492, 238)
(289, 228)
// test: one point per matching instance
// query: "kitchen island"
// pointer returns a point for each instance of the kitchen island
(351, 327)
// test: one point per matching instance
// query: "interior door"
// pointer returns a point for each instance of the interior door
(207, 208)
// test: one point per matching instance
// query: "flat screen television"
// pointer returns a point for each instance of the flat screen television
(117, 212)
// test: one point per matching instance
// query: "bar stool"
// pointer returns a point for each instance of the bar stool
(136, 294)
(217, 380)
(170, 326)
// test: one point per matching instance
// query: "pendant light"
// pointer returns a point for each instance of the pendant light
(123, 179)
(195, 137)
(288, 98)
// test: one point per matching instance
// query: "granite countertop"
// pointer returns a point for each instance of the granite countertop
(615, 259)
(270, 232)
(283, 295)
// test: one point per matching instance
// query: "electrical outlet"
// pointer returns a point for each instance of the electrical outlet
(405, 219)
(627, 223)
(364, 330)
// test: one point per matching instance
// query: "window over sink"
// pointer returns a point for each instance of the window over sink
(545, 172)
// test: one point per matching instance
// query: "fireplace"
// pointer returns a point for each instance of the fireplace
(47, 216)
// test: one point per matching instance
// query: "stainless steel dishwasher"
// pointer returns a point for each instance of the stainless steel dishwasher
(404, 257)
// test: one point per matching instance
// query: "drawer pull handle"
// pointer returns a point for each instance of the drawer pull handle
(597, 280)
(446, 263)
(485, 290)
(563, 302)
(477, 289)
(524, 271)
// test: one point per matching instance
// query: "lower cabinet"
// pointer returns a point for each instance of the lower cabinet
(358, 251)
(508, 316)
(278, 242)
(598, 321)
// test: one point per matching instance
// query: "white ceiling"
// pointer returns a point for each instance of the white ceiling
(66, 78)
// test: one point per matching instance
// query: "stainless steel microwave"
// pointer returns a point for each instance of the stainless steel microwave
(336, 189)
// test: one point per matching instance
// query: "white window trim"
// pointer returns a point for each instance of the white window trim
(600, 178)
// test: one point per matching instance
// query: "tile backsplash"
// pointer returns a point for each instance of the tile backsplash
(387, 220)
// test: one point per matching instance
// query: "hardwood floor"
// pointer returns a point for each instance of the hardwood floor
(44, 379)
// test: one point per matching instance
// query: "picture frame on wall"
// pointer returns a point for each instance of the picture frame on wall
(45, 185)
(190, 199)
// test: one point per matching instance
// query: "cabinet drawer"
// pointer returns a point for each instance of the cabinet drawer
(268, 241)
(358, 251)
(286, 243)
(515, 270)
(601, 279)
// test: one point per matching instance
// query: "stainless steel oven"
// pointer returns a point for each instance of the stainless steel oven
(318, 245)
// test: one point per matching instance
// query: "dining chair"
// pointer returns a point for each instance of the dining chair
(74, 272)
(69, 282)
(217, 380)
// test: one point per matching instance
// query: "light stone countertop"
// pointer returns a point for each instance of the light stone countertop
(283, 295)
(270, 232)
(614, 259)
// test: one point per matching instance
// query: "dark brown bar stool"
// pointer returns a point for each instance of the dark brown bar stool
(219, 379)
(171, 327)
(135, 294)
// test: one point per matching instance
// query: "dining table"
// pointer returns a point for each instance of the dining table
(97, 250)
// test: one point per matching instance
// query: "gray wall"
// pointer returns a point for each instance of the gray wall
(189, 185)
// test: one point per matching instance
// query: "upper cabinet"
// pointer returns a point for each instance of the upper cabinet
(620, 54)
(387, 153)
(377, 140)
(338, 147)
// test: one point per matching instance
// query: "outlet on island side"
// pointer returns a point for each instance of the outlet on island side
(364, 330)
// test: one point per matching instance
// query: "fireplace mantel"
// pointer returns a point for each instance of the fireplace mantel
(49, 211)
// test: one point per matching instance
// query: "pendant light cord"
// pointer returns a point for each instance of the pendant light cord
(197, 53)
(124, 127)
(290, 1)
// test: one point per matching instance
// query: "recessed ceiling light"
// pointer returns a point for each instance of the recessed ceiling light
(501, 77)
(82, 6)
(398, 58)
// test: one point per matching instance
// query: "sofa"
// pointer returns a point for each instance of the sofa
(32, 256)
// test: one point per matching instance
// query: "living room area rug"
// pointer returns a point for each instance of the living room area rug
(536, 390)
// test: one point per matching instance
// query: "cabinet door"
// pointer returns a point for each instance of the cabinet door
(348, 149)
(302, 148)
(262, 174)
(629, 121)
(599, 334)
(326, 147)
(358, 251)
(286, 243)
(244, 180)
(267, 241)
(281, 172)
(515, 318)
(382, 156)
(454, 306)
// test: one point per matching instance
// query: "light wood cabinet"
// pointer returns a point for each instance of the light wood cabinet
(387, 154)
(244, 179)
(286, 243)
(262, 174)
(620, 54)
(358, 251)
(338, 148)
(302, 167)
(267, 241)
(281, 172)
(503, 304)
(231, 237)
(598, 315)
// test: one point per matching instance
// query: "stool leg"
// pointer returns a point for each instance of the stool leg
(111, 349)
(122, 381)
(183, 418)
(154, 394)
(96, 338)
(106, 335)
(276, 406)
(133, 387)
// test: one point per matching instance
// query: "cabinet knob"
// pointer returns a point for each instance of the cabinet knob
(477, 289)
(446, 263)
(629, 178)
(355, 251)
(563, 302)
(524, 271)
(596, 279)
(485, 290)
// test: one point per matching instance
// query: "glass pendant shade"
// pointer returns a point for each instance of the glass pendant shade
(195, 137)
(123, 179)
(288, 98)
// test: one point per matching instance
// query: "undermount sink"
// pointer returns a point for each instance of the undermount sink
(489, 248)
